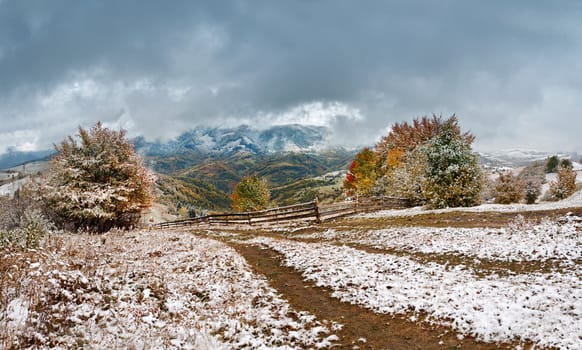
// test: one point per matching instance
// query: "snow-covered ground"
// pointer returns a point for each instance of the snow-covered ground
(10, 188)
(573, 201)
(545, 308)
(520, 241)
(146, 290)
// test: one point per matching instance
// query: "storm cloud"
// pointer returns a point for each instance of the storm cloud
(510, 70)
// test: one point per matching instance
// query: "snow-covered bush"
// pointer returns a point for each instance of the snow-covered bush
(97, 183)
(453, 178)
(509, 189)
(33, 228)
(565, 184)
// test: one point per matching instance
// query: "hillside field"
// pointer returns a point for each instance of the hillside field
(500, 277)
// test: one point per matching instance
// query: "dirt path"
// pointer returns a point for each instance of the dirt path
(380, 331)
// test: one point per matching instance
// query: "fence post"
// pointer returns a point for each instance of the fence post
(317, 212)
(249, 217)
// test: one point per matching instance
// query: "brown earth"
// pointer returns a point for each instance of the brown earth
(451, 219)
(380, 331)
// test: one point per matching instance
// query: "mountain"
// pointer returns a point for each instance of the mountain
(223, 142)
(14, 158)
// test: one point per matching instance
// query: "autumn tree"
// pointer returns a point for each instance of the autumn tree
(97, 181)
(363, 173)
(453, 177)
(406, 137)
(408, 179)
(250, 194)
(509, 189)
(565, 184)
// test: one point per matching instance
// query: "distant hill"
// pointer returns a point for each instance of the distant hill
(521, 157)
(15, 158)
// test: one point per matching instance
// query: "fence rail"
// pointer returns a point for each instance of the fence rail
(310, 211)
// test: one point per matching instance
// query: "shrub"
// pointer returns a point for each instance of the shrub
(250, 194)
(97, 183)
(33, 227)
(532, 189)
(509, 189)
(566, 163)
(565, 184)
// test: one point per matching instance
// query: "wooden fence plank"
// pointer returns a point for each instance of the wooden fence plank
(310, 210)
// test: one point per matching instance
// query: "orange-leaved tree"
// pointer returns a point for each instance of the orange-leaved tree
(363, 173)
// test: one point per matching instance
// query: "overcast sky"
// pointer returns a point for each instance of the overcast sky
(510, 70)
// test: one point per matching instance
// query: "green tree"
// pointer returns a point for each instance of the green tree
(97, 181)
(453, 176)
(250, 194)
(552, 164)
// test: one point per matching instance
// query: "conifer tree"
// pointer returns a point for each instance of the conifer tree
(453, 176)
(97, 181)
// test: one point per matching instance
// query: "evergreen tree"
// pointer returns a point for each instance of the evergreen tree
(552, 164)
(97, 182)
(250, 194)
(453, 176)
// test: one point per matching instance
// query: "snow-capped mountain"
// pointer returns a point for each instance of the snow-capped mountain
(243, 139)
(520, 157)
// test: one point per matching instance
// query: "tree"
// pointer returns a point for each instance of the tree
(406, 137)
(552, 164)
(453, 177)
(408, 180)
(363, 172)
(250, 194)
(97, 181)
(565, 184)
(509, 189)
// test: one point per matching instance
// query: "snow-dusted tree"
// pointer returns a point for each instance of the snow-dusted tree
(406, 137)
(565, 184)
(363, 173)
(407, 179)
(509, 189)
(453, 178)
(250, 194)
(97, 181)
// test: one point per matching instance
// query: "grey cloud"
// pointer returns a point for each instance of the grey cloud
(497, 64)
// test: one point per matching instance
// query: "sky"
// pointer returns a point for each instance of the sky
(510, 70)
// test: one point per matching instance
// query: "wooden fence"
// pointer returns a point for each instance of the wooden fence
(311, 211)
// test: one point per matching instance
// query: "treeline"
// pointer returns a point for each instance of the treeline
(429, 162)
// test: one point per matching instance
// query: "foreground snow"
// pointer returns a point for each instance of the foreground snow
(543, 308)
(521, 241)
(147, 290)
